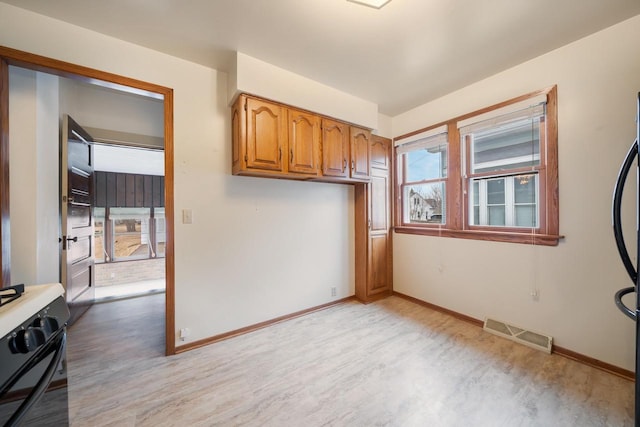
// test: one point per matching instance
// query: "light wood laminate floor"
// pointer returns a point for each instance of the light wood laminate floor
(390, 363)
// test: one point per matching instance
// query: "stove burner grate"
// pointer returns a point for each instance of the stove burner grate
(10, 293)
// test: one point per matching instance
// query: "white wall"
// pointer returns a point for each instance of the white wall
(384, 126)
(266, 80)
(105, 108)
(257, 248)
(33, 131)
(598, 78)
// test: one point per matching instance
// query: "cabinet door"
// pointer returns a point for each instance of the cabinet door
(266, 135)
(335, 148)
(374, 268)
(379, 232)
(304, 142)
(237, 134)
(380, 153)
(360, 153)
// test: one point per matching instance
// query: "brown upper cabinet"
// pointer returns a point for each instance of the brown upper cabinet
(274, 140)
(264, 126)
(360, 153)
(335, 148)
(304, 142)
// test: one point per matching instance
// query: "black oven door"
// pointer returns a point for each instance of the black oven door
(36, 394)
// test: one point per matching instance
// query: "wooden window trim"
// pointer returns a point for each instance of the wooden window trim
(456, 226)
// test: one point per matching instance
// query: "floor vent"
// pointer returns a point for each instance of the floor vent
(522, 336)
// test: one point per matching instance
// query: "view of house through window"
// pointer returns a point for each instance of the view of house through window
(422, 163)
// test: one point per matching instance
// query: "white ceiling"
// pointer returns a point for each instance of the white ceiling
(405, 54)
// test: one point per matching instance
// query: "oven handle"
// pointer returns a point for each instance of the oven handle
(39, 355)
(42, 385)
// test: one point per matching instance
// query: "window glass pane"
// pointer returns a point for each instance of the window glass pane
(98, 221)
(426, 163)
(130, 232)
(507, 146)
(495, 191)
(509, 201)
(525, 188)
(476, 193)
(495, 215)
(525, 216)
(475, 202)
(425, 203)
(161, 235)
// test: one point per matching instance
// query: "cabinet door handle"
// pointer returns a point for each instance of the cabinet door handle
(291, 158)
(352, 165)
(280, 150)
(344, 164)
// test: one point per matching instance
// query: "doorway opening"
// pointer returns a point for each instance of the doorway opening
(131, 87)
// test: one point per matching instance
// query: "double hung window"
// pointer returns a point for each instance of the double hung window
(422, 163)
(488, 175)
(502, 168)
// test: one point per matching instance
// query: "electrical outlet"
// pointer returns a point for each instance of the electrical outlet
(535, 294)
(184, 333)
(333, 291)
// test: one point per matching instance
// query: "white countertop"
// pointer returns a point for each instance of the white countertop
(34, 298)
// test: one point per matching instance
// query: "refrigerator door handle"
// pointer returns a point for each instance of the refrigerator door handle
(616, 211)
(623, 308)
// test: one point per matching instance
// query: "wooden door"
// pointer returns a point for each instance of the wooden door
(76, 174)
(266, 134)
(335, 148)
(360, 153)
(304, 142)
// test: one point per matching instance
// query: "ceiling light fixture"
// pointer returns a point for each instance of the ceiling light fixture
(376, 4)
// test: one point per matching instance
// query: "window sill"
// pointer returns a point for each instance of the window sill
(494, 236)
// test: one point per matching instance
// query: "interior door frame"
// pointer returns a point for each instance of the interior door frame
(9, 56)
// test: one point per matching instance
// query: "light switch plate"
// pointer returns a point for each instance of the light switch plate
(187, 216)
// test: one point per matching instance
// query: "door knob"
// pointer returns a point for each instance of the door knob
(72, 239)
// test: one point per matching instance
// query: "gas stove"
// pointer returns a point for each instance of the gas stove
(32, 348)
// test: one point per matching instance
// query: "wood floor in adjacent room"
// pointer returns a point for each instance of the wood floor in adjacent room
(390, 363)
